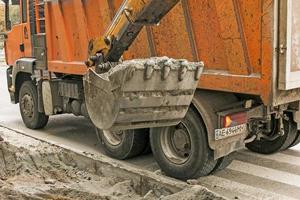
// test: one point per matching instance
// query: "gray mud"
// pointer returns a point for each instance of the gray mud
(46, 172)
(32, 169)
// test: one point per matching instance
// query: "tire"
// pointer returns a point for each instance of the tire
(223, 163)
(147, 149)
(127, 144)
(28, 103)
(198, 159)
(264, 146)
(296, 141)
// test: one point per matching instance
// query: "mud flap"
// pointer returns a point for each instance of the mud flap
(142, 93)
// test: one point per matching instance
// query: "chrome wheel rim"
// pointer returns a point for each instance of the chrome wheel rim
(176, 143)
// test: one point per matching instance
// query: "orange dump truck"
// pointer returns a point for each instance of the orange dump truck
(65, 57)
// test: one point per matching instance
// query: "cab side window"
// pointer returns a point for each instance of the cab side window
(14, 14)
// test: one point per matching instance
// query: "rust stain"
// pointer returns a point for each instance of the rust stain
(242, 35)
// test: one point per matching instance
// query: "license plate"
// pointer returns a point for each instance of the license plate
(229, 132)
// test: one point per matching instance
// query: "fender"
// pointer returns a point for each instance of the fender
(22, 71)
(208, 104)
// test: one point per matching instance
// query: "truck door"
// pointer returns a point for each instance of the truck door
(26, 31)
(289, 45)
(14, 40)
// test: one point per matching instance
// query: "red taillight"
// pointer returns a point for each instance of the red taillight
(234, 119)
(227, 121)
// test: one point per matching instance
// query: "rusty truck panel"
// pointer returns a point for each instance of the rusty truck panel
(235, 39)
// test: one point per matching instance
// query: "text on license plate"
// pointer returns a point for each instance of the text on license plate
(229, 132)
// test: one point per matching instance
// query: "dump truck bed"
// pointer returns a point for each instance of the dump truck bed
(236, 39)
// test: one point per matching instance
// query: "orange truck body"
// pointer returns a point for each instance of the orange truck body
(236, 39)
(248, 94)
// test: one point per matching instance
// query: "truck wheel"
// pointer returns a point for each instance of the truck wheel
(264, 146)
(223, 163)
(182, 151)
(28, 103)
(147, 149)
(297, 140)
(124, 144)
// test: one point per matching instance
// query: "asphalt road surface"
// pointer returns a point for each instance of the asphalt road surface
(250, 176)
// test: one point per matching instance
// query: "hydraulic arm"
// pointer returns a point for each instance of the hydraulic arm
(125, 27)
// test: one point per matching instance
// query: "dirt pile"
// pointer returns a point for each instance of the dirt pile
(48, 173)
(31, 169)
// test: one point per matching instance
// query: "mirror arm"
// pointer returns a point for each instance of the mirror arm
(7, 20)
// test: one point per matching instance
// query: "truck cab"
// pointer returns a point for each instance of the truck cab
(18, 35)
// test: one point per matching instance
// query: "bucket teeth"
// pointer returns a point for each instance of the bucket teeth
(141, 93)
(148, 71)
(199, 70)
(182, 72)
(165, 72)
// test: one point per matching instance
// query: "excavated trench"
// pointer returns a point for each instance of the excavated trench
(32, 169)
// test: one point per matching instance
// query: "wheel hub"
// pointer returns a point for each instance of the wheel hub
(181, 142)
(176, 144)
(114, 137)
(27, 105)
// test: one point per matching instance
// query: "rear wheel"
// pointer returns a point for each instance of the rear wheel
(265, 146)
(223, 163)
(182, 151)
(28, 103)
(296, 141)
(124, 144)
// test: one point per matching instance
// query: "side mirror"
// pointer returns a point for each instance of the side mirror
(15, 2)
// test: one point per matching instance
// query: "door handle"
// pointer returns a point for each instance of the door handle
(22, 47)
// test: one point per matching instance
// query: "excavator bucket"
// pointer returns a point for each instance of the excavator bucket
(142, 93)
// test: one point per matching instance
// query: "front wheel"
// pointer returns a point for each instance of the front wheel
(124, 144)
(182, 151)
(28, 103)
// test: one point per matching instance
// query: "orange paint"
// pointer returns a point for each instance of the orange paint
(12, 44)
(232, 37)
